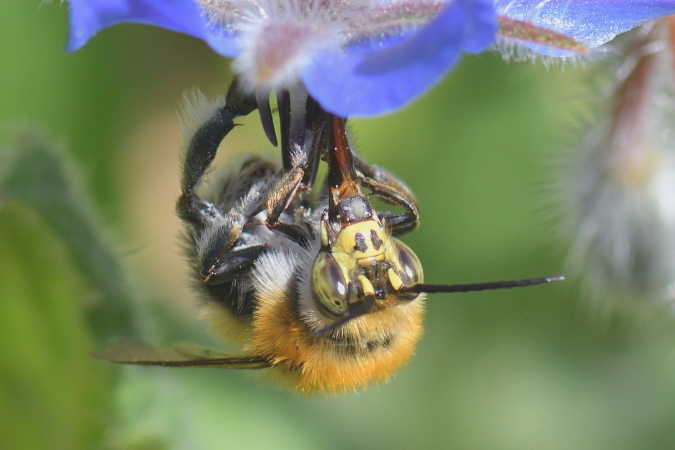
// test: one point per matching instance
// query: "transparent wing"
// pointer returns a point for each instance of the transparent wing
(177, 355)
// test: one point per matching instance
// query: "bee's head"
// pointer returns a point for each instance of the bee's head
(356, 231)
(360, 263)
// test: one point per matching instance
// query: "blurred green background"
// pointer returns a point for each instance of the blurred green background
(521, 369)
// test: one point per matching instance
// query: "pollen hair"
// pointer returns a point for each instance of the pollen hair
(369, 348)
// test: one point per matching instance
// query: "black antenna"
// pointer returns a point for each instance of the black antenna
(450, 288)
(365, 306)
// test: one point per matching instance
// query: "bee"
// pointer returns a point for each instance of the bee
(309, 278)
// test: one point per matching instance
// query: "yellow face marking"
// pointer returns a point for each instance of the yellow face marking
(362, 240)
(394, 279)
(324, 234)
(366, 285)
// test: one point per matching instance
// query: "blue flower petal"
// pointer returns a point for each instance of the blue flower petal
(369, 83)
(591, 22)
(88, 17)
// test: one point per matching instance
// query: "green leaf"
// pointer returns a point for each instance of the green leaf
(52, 393)
(41, 176)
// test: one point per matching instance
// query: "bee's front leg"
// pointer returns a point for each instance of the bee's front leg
(292, 181)
(201, 151)
(388, 188)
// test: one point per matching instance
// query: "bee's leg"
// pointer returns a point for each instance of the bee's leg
(225, 266)
(281, 194)
(304, 160)
(236, 186)
(221, 252)
(201, 152)
(385, 186)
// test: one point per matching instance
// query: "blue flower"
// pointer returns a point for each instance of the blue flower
(367, 57)
(617, 192)
(570, 28)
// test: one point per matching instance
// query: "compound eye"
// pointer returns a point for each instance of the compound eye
(410, 263)
(328, 286)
